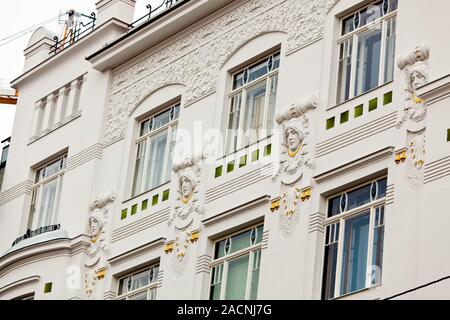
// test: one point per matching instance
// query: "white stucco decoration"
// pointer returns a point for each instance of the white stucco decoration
(190, 198)
(194, 59)
(414, 64)
(95, 263)
(295, 144)
(290, 213)
(415, 165)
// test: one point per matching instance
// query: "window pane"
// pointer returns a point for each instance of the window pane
(140, 296)
(382, 185)
(273, 87)
(254, 113)
(258, 71)
(390, 50)
(334, 206)
(173, 139)
(354, 267)
(161, 119)
(358, 197)
(368, 61)
(329, 280)
(216, 282)
(47, 203)
(123, 286)
(238, 80)
(240, 241)
(233, 123)
(140, 280)
(139, 167)
(156, 159)
(377, 251)
(236, 285)
(219, 249)
(345, 66)
(255, 275)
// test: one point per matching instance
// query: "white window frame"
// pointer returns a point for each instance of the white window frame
(148, 137)
(34, 220)
(243, 108)
(252, 251)
(148, 288)
(341, 219)
(354, 37)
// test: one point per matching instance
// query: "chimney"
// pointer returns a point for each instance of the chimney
(122, 10)
(38, 48)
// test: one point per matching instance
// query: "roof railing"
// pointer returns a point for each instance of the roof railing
(80, 30)
(152, 11)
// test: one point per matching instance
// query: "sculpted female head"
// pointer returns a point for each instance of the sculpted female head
(95, 223)
(293, 135)
(188, 184)
(417, 76)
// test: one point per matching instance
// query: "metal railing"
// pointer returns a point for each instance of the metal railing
(152, 11)
(36, 232)
(80, 30)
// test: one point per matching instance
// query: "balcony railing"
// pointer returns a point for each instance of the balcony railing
(154, 11)
(81, 29)
(41, 230)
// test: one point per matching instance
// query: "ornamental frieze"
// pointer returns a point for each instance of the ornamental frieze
(195, 60)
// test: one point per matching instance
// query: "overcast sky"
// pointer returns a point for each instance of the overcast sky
(18, 15)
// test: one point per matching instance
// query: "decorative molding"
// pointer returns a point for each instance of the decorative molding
(110, 295)
(128, 255)
(143, 224)
(19, 283)
(239, 183)
(23, 188)
(160, 278)
(414, 64)
(295, 144)
(265, 240)
(93, 152)
(415, 159)
(224, 214)
(316, 222)
(203, 262)
(207, 48)
(360, 133)
(437, 170)
(390, 191)
(380, 155)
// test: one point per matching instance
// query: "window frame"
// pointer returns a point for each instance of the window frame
(252, 251)
(35, 217)
(148, 138)
(354, 37)
(148, 288)
(243, 89)
(341, 220)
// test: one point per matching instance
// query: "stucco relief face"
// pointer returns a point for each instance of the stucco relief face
(187, 187)
(95, 226)
(418, 76)
(294, 139)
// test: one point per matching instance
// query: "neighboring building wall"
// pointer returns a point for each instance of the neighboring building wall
(276, 196)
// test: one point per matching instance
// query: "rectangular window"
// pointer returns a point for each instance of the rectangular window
(366, 49)
(140, 285)
(154, 148)
(236, 265)
(354, 240)
(252, 103)
(45, 194)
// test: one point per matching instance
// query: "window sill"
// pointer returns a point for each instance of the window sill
(250, 146)
(55, 127)
(354, 293)
(359, 96)
(165, 184)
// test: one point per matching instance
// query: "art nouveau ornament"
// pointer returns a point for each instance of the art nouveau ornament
(190, 196)
(415, 164)
(290, 214)
(415, 66)
(95, 264)
(295, 148)
(295, 156)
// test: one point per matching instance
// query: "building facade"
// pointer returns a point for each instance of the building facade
(233, 149)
